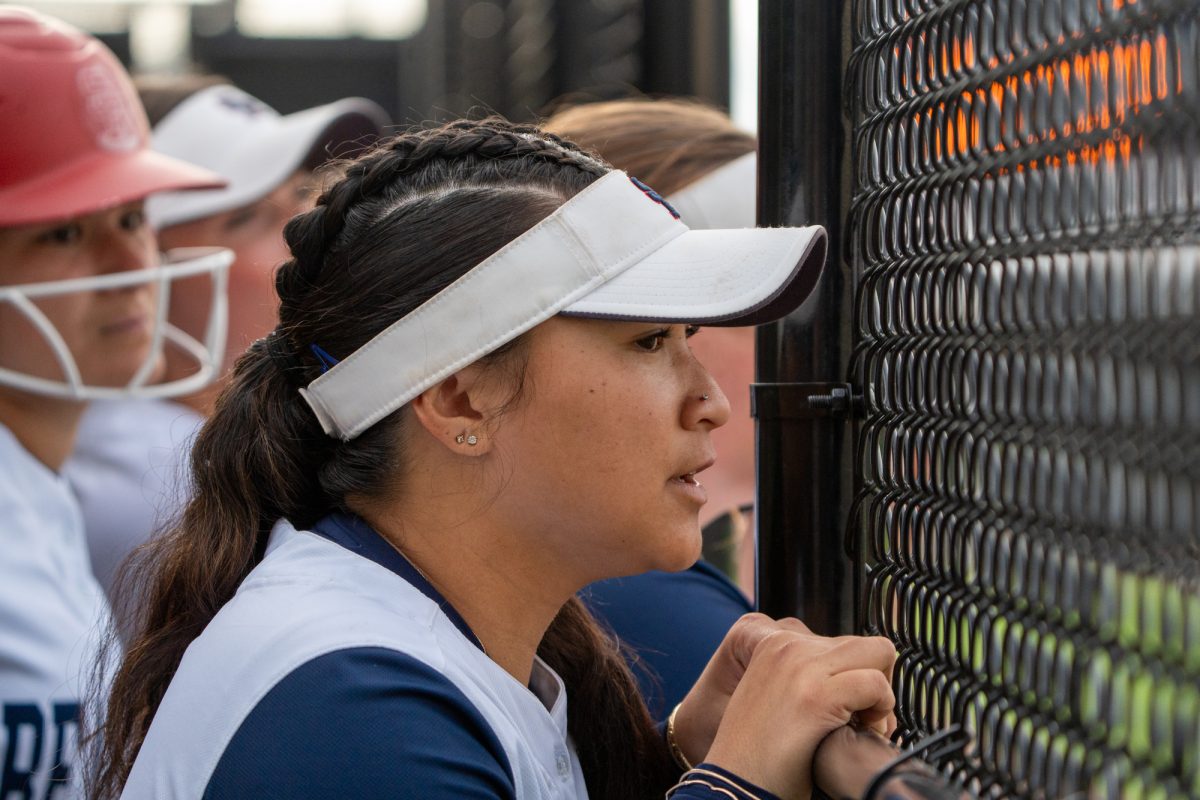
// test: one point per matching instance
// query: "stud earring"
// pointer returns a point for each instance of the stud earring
(472, 440)
(460, 438)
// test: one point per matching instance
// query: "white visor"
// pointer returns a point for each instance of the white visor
(178, 264)
(724, 198)
(614, 251)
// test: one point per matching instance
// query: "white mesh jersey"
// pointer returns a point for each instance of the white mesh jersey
(310, 597)
(52, 613)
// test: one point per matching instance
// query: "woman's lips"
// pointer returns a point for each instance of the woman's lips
(687, 483)
(691, 488)
(130, 323)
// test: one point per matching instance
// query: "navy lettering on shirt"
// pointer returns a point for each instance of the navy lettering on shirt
(66, 723)
(25, 735)
(23, 730)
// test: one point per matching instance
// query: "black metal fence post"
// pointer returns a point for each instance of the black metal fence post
(804, 482)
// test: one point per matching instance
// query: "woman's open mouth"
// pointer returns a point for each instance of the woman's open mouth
(689, 485)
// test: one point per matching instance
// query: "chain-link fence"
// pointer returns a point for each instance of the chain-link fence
(1025, 237)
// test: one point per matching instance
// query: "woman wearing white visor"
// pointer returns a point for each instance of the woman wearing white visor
(480, 398)
(82, 316)
(127, 466)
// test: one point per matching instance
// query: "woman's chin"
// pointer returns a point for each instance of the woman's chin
(684, 555)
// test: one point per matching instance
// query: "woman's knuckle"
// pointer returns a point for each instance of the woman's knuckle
(754, 619)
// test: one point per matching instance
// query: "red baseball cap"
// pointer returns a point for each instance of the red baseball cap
(74, 138)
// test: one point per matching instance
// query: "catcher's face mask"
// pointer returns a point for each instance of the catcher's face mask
(205, 357)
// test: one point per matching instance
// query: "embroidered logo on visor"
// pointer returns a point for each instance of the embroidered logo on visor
(655, 196)
(243, 104)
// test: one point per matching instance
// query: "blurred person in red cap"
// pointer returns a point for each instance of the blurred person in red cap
(80, 319)
(128, 467)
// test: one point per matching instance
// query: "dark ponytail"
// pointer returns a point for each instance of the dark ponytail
(404, 221)
(622, 753)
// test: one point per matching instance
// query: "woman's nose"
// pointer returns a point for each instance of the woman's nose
(706, 407)
(121, 250)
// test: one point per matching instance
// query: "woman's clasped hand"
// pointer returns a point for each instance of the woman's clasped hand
(774, 690)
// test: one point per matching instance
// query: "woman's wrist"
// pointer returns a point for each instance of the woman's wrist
(688, 744)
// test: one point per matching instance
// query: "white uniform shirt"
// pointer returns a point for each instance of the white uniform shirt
(52, 613)
(128, 471)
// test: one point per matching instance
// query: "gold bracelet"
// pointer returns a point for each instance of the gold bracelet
(676, 751)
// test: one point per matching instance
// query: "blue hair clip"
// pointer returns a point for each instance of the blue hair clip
(328, 362)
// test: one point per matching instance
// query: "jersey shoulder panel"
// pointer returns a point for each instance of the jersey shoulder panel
(338, 726)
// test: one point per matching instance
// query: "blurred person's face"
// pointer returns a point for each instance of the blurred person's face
(109, 332)
(728, 353)
(255, 234)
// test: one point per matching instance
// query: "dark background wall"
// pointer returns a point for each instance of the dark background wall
(509, 56)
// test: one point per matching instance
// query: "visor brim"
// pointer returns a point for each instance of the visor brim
(262, 157)
(726, 278)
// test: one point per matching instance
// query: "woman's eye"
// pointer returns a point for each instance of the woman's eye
(242, 217)
(133, 220)
(63, 234)
(652, 342)
(690, 331)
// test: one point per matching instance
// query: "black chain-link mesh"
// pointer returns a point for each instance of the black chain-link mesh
(1025, 234)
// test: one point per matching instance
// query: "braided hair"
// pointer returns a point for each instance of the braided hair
(403, 221)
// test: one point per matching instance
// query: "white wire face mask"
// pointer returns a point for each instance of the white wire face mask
(207, 356)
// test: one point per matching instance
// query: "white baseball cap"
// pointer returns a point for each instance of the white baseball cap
(252, 146)
(614, 251)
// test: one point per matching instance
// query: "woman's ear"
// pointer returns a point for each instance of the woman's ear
(456, 411)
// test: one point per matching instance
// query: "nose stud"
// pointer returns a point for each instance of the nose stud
(703, 398)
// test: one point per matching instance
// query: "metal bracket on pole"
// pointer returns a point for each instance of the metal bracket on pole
(805, 401)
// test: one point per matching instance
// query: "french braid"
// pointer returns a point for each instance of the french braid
(397, 165)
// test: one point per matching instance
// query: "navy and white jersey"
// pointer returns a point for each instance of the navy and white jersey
(337, 670)
(128, 472)
(52, 614)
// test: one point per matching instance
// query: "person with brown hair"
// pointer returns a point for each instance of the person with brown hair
(670, 143)
(672, 622)
(81, 318)
(479, 399)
